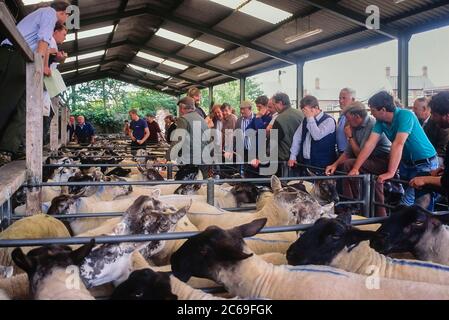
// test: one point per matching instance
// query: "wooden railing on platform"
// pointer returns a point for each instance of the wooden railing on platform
(13, 174)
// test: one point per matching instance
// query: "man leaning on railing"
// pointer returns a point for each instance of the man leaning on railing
(37, 30)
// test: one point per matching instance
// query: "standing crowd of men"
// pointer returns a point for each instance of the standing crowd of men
(388, 141)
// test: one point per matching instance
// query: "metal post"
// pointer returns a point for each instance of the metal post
(299, 82)
(242, 89)
(169, 171)
(403, 72)
(210, 191)
(211, 95)
(366, 195)
(373, 198)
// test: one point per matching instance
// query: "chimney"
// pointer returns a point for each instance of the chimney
(317, 83)
(388, 71)
(425, 71)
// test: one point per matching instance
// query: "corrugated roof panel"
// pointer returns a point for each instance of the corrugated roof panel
(202, 11)
(322, 20)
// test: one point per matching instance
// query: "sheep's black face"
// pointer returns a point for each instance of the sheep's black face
(245, 193)
(327, 190)
(188, 189)
(205, 254)
(40, 262)
(145, 285)
(187, 173)
(79, 178)
(402, 231)
(320, 244)
(63, 204)
(153, 175)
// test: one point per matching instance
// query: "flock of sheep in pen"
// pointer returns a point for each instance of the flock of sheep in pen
(331, 260)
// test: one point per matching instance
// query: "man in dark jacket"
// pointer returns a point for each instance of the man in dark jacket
(286, 124)
(439, 137)
(440, 177)
(187, 145)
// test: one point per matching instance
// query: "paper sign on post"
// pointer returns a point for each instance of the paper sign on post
(55, 84)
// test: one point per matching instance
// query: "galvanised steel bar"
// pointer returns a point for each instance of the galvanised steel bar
(145, 238)
(167, 182)
(210, 191)
(366, 195)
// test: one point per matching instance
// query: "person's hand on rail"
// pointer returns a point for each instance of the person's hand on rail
(384, 177)
(330, 170)
(292, 163)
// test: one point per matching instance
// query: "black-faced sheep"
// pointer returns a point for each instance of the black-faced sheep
(222, 256)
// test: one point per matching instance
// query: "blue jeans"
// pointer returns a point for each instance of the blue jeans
(408, 172)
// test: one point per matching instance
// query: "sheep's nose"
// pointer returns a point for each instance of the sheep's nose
(380, 241)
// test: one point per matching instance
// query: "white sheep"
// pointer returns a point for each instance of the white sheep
(32, 227)
(281, 209)
(222, 255)
(364, 260)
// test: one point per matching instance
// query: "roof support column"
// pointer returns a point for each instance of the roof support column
(211, 95)
(299, 82)
(242, 89)
(403, 71)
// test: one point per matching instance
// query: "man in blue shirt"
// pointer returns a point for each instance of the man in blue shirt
(411, 150)
(37, 29)
(84, 132)
(139, 132)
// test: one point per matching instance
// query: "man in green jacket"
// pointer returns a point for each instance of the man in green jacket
(187, 145)
(286, 124)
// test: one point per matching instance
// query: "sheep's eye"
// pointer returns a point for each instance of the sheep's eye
(418, 223)
(139, 295)
(336, 237)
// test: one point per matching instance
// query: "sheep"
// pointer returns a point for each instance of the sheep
(222, 256)
(288, 206)
(33, 227)
(413, 229)
(16, 287)
(6, 271)
(110, 262)
(138, 262)
(147, 284)
(53, 271)
(336, 243)
(68, 204)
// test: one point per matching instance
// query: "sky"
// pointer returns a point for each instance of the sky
(364, 70)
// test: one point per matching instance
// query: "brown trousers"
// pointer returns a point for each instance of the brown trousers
(374, 165)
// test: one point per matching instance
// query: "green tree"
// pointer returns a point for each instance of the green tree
(106, 102)
(230, 92)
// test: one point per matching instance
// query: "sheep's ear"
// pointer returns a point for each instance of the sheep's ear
(22, 261)
(276, 185)
(310, 173)
(252, 228)
(156, 193)
(140, 168)
(178, 215)
(345, 217)
(79, 254)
